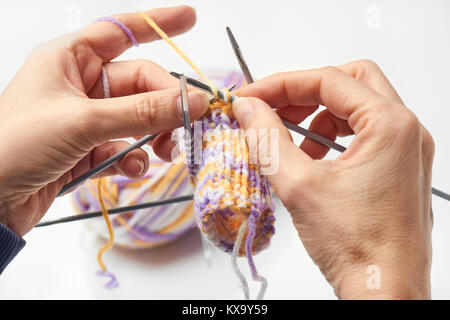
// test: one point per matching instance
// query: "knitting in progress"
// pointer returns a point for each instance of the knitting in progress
(232, 199)
(230, 193)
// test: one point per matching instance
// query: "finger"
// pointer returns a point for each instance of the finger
(296, 114)
(140, 114)
(130, 77)
(345, 97)
(163, 146)
(109, 41)
(328, 126)
(255, 115)
(133, 165)
(369, 73)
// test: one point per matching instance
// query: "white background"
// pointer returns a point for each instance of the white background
(410, 40)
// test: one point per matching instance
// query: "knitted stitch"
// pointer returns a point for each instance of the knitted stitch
(230, 193)
(229, 189)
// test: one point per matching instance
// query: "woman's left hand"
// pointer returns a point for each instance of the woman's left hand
(55, 127)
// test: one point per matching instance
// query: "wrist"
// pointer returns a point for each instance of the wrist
(3, 214)
(383, 281)
(3, 219)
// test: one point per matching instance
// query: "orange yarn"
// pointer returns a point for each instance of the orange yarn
(108, 224)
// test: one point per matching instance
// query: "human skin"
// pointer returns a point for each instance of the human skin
(55, 127)
(372, 205)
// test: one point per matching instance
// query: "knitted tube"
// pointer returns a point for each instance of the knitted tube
(228, 188)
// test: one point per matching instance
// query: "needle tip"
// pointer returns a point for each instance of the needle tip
(175, 74)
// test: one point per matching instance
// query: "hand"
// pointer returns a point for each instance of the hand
(372, 205)
(55, 127)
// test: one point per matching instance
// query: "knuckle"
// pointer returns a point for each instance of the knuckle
(41, 52)
(146, 112)
(254, 101)
(280, 75)
(367, 66)
(409, 122)
(405, 125)
(293, 189)
(141, 78)
(330, 70)
(428, 143)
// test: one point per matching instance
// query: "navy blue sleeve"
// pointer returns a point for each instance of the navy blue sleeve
(10, 245)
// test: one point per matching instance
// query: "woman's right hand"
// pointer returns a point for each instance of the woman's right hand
(364, 218)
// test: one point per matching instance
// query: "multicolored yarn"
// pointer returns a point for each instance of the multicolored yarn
(233, 201)
(229, 191)
(144, 228)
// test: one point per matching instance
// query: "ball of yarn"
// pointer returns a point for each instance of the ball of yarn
(147, 227)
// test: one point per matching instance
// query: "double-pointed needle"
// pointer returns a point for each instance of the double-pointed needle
(292, 126)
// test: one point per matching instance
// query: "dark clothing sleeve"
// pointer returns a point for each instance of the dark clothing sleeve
(10, 245)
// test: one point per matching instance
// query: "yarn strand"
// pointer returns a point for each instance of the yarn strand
(240, 194)
(234, 255)
(108, 224)
(166, 38)
(251, 262)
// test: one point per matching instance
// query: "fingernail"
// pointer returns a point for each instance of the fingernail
(243, 110)
(198, 104)
(141, 165)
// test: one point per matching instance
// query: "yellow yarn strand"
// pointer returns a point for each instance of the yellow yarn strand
(108, 224)
(166, 38)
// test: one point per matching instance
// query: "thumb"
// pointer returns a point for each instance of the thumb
(257, 117)
(141, 114)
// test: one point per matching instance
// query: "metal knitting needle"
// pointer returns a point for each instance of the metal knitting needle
(311, 135)
(110, 161)
(195, 83)
(314, 136)
(188, 134)
(202, 86)
(239, 56)
(105, 164)
(185, 105)
(95, 214)
(292, 126)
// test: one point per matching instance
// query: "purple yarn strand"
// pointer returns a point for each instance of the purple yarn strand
(113, 283)
(121, 26)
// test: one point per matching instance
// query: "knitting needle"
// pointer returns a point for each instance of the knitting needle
(240, 57)
(95, 214)
(292, 126)
(202, 86)
(311, 135)
(105, 164)
(188, 136)
(296, 128)
(113, 159)
(314, 136)
(184, 105)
